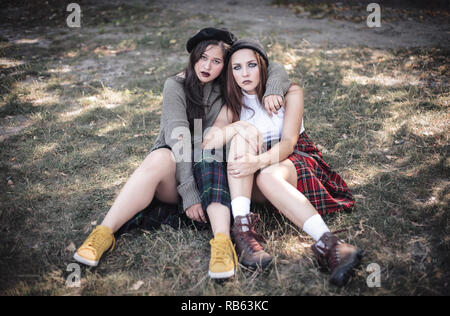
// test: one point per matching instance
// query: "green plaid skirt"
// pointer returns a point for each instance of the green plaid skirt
(210, 174)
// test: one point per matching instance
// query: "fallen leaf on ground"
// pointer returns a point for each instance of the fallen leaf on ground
(71, 247)
(136, 286)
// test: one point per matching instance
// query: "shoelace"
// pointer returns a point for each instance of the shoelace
(97, 237)
(251, 237)
(333, 260)
(221, 249)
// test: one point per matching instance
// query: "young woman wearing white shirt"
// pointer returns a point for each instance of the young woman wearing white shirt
(271, 157)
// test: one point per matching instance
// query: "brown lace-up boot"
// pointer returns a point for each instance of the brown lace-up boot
(247, 240)
(337, 257)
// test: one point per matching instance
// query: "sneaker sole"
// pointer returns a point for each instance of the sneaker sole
(80, 259)
(221, 275)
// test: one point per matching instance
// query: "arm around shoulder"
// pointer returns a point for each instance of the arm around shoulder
(278, 80)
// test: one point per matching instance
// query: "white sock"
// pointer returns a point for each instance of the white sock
(240, 206)
(315, 227)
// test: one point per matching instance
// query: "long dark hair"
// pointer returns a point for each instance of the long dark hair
(193, 88)
(233, 93)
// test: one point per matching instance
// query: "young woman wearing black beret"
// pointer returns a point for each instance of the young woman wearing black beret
(191, 98)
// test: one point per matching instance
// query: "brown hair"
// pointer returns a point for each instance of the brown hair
(233, 93)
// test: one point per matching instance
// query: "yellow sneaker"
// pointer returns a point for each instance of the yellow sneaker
(223, 263)
(95, 245)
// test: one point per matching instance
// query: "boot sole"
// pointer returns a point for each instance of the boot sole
(256, 266)
(341, 276)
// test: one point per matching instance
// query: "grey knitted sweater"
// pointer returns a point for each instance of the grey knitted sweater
(174, 125)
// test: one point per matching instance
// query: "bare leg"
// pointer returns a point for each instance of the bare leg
(278, 183)
(252, 254)
(219, 217)
(245, 186)
(257, 195)
(239, 186)
(156, 175)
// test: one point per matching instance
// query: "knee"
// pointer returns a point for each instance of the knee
(159, 160)
(240, 145)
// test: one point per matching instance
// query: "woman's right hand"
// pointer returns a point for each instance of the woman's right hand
(251, 134)
(195, 212)
(273, 103)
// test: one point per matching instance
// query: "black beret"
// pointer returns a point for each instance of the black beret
(248, 43)
(210, 33)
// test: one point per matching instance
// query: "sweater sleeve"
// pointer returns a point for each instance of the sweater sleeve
(278, 80)
(178, 136)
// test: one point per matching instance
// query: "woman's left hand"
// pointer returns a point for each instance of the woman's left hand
(243, 166)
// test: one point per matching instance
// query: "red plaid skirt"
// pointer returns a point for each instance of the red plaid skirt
(323, 187)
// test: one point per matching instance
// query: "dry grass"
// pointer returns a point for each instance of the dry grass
(79, 113)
